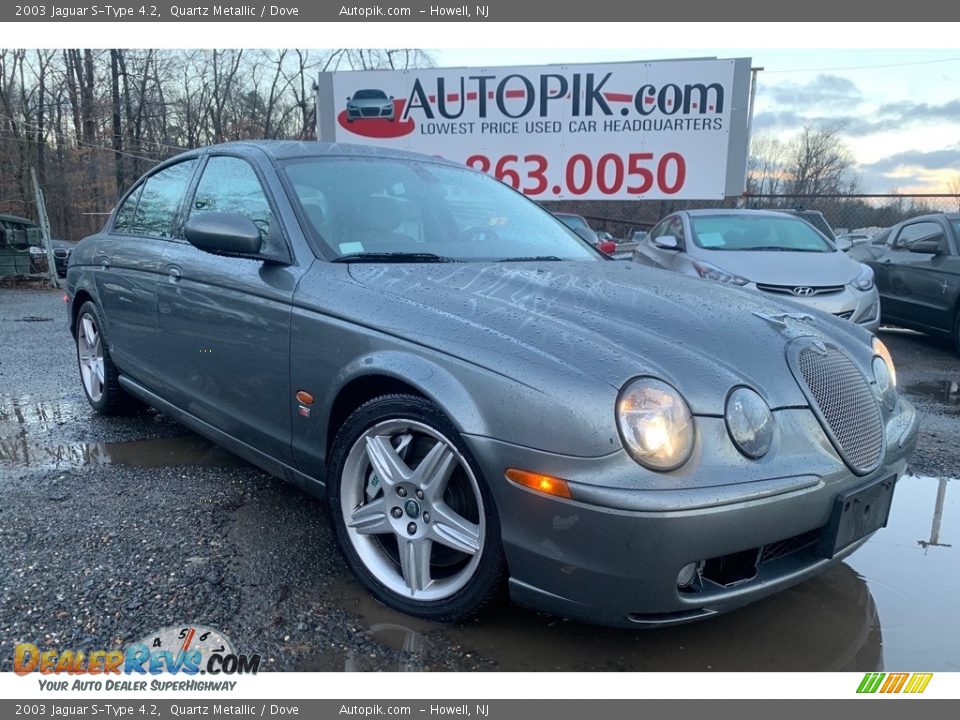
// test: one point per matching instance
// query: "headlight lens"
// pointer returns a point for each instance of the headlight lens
(34, 250)
(884, 383)
(655, 424)
(864, 281)
(880, 349)
(749, 422)
(712, 272)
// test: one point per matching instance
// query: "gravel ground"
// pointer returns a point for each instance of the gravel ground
(115, 527)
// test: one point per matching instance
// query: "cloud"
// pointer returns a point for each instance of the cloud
(932, 160)
(888, 117)
(823, 89)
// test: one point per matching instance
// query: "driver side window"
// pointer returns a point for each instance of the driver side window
(910, 234)
(229, 185)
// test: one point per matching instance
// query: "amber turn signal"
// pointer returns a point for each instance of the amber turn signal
(304, 398)
(541, 483)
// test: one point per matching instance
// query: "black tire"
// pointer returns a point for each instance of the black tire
(485, 579)
(113, 400)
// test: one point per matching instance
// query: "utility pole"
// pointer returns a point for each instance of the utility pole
(44, 228)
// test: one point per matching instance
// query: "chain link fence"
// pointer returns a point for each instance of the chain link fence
(860, 214)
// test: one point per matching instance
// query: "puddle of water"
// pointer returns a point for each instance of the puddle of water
(158, 452)
(890, 605)
(946, 392)
(26, 428)
(911, 570)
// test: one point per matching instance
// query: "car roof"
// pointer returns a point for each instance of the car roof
(16, 219)
(933, 216)
(293, 149)
(735, 211)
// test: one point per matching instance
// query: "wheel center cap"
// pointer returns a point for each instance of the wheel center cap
(412, 508)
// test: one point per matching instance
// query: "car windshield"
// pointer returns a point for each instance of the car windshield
(390, 209)
(369, 95)
(757, 233)
(956, 227)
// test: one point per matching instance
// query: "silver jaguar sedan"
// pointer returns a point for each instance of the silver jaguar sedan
(483, 398)
(767, 251)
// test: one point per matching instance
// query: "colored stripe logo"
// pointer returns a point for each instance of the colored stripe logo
(913, 683)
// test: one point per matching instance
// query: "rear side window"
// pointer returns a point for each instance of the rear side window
(127, 211)
(160, 200)
(230, 185)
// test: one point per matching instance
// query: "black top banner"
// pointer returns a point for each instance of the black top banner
(738, 11)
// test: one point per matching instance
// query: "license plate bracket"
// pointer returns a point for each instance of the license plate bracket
(857, 514)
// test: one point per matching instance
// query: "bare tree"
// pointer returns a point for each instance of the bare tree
(953, 187)
(765, 166)
(819, 162)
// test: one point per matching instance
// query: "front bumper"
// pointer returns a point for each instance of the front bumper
(857, 306)
(611, 555)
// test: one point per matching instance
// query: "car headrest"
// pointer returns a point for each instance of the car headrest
(377, 213)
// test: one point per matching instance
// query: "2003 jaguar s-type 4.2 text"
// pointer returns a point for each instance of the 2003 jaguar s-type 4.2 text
(482, 397)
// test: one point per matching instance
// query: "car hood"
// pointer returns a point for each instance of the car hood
(785, 268)
(547, 324)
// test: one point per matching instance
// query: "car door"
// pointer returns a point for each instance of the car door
(226, 320)
(919, 287)
(128, 262)
(664, 258)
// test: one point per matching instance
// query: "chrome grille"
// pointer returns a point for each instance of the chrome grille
(805, 290)
(842, 400)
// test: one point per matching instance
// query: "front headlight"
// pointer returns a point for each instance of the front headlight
(881, 350)
(863, 281)
(884, 383)
(749, 422)
(655, 424)
(712, 272)
(34, 250)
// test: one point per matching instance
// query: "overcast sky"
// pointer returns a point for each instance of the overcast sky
(900, 109)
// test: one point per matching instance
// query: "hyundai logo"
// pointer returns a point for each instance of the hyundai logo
(803, 291)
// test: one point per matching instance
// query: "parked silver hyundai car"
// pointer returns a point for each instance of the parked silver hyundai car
(482, 397)
(771, 252)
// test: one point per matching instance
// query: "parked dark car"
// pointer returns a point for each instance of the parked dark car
(61, 257)
(480, 395)
(917, 269)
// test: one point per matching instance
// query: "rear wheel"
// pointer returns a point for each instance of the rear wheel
(98, 374)
(411, 511)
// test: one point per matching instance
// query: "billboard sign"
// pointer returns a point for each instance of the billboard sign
(646, 130)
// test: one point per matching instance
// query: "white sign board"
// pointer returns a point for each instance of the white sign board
(646, 130)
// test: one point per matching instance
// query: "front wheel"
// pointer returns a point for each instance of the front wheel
(411, 511)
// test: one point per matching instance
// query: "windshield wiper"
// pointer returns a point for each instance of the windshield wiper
(533, 258)
(393, 257)
(777, 248)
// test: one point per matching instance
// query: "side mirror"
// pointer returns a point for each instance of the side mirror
(927, 247)
(587, 234)
(231, 233)
(844, 244)
(667, 242)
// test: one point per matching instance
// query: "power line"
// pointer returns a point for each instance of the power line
(865, 67)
